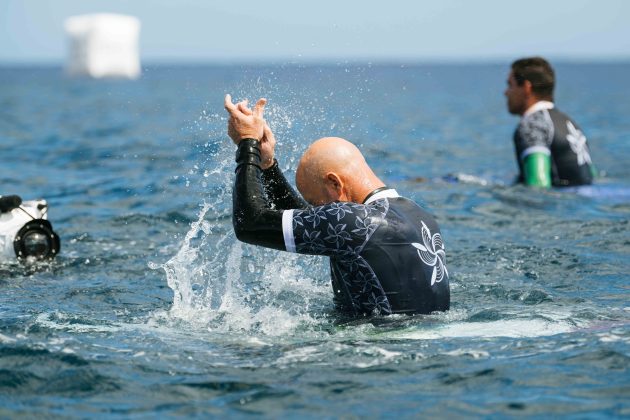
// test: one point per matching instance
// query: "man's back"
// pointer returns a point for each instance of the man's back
(387, 255)
(549, 131)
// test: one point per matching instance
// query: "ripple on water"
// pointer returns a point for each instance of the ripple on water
(29, 370)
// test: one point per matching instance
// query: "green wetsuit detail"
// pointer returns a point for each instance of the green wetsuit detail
(537, 168)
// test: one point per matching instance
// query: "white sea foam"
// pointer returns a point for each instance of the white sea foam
(60, 321)
(514, 328)
(6, 339)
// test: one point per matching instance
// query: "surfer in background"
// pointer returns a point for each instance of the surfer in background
(550, 147)
(386, 253)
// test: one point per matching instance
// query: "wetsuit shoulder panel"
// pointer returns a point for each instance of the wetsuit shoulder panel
(336, 229)
(534, 134)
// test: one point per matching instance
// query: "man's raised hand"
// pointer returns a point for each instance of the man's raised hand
(243, 122)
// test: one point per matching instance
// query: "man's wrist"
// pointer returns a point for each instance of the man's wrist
(248, 137)
(248, 153)
(268, 164)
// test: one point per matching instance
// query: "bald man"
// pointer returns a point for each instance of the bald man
(386, 253)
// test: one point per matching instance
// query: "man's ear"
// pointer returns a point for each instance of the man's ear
(334, 183)
(527, 87)
(333, 180)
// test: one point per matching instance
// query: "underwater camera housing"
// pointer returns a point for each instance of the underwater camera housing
(24, 231)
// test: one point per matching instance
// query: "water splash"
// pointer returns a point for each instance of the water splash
(221, 285)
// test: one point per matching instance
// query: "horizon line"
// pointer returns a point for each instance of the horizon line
(332, 61)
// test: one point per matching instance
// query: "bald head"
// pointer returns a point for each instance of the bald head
(333, 169)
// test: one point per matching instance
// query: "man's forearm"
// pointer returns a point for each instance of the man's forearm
(254, 222)
(279, 192)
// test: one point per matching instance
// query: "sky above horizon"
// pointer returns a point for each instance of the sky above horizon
(282, 31)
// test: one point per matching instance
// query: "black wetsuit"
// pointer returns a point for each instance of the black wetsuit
(549, 131)
(386, 254)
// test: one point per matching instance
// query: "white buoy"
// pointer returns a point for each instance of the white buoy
(103, 45)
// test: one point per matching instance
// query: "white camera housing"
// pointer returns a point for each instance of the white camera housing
(11, 222)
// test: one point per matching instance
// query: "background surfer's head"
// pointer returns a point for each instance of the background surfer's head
(333, 169)
(530, 80)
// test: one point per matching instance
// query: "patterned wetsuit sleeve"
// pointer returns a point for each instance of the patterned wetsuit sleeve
(534, 134)
(279, 192)
(254, 222)
(336, 229)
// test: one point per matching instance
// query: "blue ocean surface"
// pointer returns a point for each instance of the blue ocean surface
(154, 310)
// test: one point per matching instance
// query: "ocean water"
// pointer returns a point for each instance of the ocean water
(153, 309)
